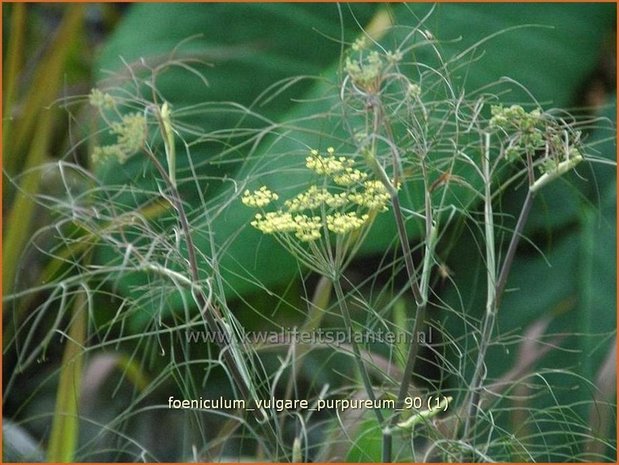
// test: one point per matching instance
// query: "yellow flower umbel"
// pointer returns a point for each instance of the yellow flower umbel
(260, 198)
(130, 130)
(324, 224)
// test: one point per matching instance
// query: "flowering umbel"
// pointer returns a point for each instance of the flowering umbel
(534, 131)
(344, 202)
(130, 130)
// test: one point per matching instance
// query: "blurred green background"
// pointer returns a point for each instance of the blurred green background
(565, 58)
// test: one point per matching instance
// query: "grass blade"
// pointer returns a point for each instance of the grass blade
(34, 130)
(65, 426)
(12, 65)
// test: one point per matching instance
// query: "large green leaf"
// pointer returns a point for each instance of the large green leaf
(549, 48)
(267, 44)
(550, 51)
(272, 42)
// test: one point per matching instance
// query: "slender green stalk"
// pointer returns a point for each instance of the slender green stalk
(513, 245)
(365, 377)
(406, 251)
(491, 288)
(419, 286)
(210, 312)
(422, 289)
(381, 121)
(496, 294)
(420, 316)
(233, 357)
(316, 312)
(318, 305)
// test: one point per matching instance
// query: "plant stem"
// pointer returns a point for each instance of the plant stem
(316, 312)
(497, 294)
(419, 295)
(491, 288)
(365, 378)
(419, 291)
(406, 251)
(210, 313)
(513, 245)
